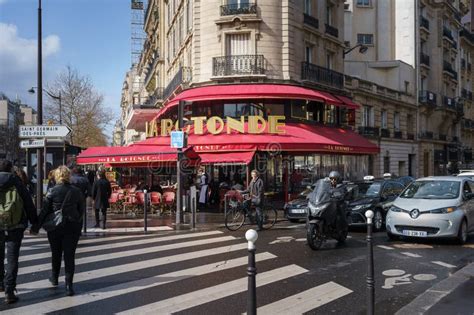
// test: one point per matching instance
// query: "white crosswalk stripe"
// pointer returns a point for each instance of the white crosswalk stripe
(118, 267)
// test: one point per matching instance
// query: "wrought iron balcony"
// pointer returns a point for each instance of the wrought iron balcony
(447, 33)
(369, 131)
(184, 75)
(464, 93)
(449, 102)
(410, 136)
(449, 68)
(424, 59)
(468, 66)
(154, 98)
(331, 30)
(469, 95)
(467, 35)
(315, 73)
(384, 133)
(424, 22)
(398, 135)
(463, 63)
(428, 98)
(239, 8)
(442, 137)
(426, 135)
(310, 20)
(238, 65)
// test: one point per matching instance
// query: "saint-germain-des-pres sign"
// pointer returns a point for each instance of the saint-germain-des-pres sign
(215, 125)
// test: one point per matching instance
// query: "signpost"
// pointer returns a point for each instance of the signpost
(32, 144)
(177, 139)
(43, 131)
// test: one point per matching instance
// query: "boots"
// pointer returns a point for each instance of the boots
(53, 280)
(69, 288)
(96, 219)
(10, 296)
(104, 223)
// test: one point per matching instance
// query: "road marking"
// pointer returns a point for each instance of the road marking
(132, 286)
(127, 253)
(468, 246)
(123, 244)
(424, 277)
(199, 297)
(385, 247)
(443, 264)
(412, 246)
(306, 301)
(410, 254)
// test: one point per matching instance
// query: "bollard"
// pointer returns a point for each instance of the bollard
(251, 236)
(370, 266)
(145, 206)
(85, 218)
(192, 202)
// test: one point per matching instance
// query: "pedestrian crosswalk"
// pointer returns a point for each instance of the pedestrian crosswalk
(161, 274)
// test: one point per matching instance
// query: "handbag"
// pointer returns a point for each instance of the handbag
(55, 219)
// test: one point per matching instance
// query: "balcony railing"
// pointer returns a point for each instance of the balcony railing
(385, 133)
(369, 131)
(449, 102)
(467, 35)
(238, 65)
(155, 97)
(424, 22)
(463, 63)
(449, 68)
(424, 59)
(238, 8)
(454, 44)
(331, 30)
(442, 137)
(310, 20)
(447, 33)
(468, 66)
(184, 75)
(315, 73)
(426, 135)
(464, 93)
(428, 98)
(469, 95)
(398, 135)
(410, 136)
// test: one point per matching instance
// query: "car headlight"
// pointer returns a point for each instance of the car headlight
(444, 210)
(395, 209)
(361, 207)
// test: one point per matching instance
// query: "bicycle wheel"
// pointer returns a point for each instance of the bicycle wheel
(269, 217)
(234, 219)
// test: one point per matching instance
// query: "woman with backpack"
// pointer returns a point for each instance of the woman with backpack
(61, 216)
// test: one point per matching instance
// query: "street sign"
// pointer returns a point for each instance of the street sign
(44, 131)
(177, 139)
(31, 144)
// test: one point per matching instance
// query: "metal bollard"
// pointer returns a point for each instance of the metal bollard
(370, 266)
(251, 236)
(145, 206)
(85, 218)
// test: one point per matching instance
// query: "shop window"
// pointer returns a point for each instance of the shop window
(275, 109)
(318, 111)
(298, 109)
(241, 109)
(330, 115)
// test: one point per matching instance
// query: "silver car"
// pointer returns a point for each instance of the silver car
(434, 207)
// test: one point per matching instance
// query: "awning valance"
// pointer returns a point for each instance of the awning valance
(244, 157)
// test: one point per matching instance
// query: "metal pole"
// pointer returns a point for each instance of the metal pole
(179, 184)
(192, 202)
(85, 218)
(60, 109)
(145, 206)
(370, 265)
(251, 236)
(39, 175)
(45, 166)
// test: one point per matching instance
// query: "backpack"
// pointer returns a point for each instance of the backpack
(11, 207)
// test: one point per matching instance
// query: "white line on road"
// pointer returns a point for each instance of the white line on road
(306, 301)
(385, 247)
(132, 286)
(443, 264)
(410, 254)
(199, 297)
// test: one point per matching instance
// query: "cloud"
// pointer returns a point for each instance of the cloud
(18, 58)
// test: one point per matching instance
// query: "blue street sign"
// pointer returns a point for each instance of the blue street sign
(177, 139)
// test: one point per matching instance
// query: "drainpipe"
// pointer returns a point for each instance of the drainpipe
(417, 84)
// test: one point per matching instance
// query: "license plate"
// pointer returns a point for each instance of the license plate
(298, 211)
(414, 233)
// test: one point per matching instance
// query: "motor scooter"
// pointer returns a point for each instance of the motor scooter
(326, 208)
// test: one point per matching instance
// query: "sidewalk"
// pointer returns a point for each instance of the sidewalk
(453, 295)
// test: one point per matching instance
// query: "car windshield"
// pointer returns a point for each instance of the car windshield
(432, 189)
(364, 190)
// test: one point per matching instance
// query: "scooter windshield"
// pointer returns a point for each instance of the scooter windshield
(321, 192)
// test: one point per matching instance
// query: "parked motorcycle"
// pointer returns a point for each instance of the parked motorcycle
(326, 206)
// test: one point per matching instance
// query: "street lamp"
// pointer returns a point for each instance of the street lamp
(362, 49)
(58, 97)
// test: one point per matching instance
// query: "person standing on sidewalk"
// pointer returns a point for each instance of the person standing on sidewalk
(64, 238)
(17, 208)
(101, 192)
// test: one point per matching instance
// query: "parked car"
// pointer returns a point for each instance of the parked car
(434, 207)
(297, 209)
(466, 173)
(376, 195)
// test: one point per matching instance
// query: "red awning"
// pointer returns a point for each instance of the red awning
(347, 101)
(132, 155)
(297, 138)
(137, 118)
(251, 91)
(227, 158)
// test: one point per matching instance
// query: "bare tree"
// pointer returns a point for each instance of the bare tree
(82, 109)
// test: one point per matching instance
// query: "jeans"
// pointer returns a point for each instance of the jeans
(12, 239)
(64, 240)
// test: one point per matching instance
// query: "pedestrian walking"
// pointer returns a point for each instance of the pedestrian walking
(101, 192)
(204, 188)
(257, 193)
(79, 180)
(16, 209)
(70, 202)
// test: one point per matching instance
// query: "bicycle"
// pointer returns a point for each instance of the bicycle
(236, 213)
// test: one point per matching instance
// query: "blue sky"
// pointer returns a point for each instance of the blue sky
(92, 36)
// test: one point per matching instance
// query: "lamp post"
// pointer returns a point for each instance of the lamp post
(362, 50)
(39, 175)
(56, 97)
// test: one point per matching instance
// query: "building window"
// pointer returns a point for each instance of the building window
(298, 109)
(368, 116)
(308, 54)
(363, 3)
(386, 164)
(238, 44)
(329, 60)
(384, 119)
(329, 15)
(365, 39)
(307, 7)
(396, 121)
(410, 123)
(189, 15)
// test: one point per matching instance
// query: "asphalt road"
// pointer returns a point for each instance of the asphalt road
(204, 272)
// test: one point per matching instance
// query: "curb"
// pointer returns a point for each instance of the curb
(430, 297)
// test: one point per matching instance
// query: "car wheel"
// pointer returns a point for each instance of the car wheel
(378, 220)
(462, 233)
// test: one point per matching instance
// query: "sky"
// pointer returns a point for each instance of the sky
(91, 36)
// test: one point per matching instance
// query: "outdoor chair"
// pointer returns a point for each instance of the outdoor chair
(155, 202)
(168, 201)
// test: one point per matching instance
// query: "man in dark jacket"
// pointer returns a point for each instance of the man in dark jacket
(11, 237)
(80, 181)
(256, 191)
(101, 192)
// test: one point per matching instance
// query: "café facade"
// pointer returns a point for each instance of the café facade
(292, 134)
